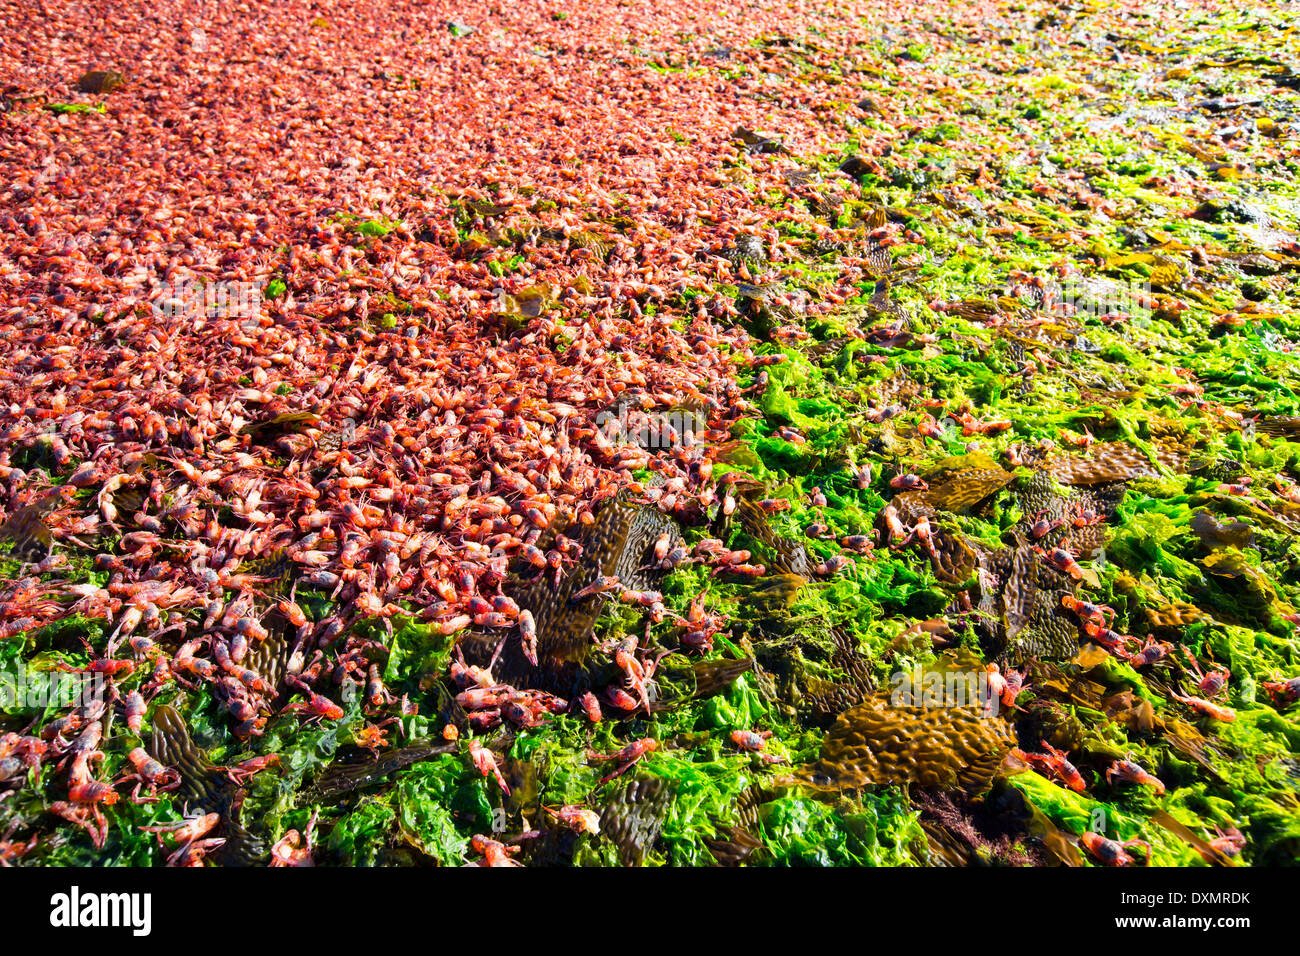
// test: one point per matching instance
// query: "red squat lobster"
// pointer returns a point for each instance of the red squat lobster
(1229, 842)
(290, 849)
(1063, 559)
(1055, 763)
(151, 773)
(1130, 771)
(1213, 683)
(577, 818)
(1206, 708)
(755, 742)
(494, 852)
(1111, 852)
(1004, 688)
(1283, 692)
(626, 757)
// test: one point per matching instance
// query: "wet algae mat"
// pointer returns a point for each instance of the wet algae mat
(1019, 503)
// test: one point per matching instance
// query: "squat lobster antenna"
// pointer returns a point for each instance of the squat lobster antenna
(495, 654)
